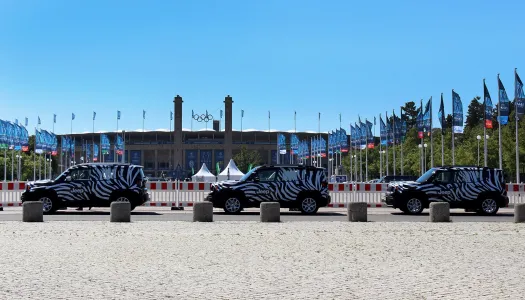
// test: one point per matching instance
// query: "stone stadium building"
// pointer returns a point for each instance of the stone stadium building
(175, 153)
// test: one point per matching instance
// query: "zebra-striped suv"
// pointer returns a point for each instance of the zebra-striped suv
(472, 188)
(297, 187)
(90, 185)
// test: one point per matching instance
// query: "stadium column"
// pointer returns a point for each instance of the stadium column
(178, 151)
(228, 103)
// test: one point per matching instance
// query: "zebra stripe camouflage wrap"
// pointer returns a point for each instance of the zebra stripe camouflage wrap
(283, 183)
(454, 184)
(92, 182)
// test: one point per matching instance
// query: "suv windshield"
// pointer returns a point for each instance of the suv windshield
(247, 175)
(425, 177)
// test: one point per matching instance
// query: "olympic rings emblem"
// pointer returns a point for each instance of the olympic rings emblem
(203, 117)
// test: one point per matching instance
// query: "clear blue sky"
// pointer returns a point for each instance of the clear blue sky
(349, 57)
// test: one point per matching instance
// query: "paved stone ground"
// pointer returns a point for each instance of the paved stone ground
(250, 260)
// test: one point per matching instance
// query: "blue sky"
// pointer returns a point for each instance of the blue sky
(350, 57)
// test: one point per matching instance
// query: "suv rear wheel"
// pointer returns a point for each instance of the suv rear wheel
(309, 205)
(488, 206)
(232, 205)
(413, 206)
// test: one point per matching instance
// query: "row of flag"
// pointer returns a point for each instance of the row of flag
(45, 142)
(13, 136)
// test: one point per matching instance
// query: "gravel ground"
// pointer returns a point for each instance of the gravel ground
(250, 260)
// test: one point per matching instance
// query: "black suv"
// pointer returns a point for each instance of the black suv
(472, 188)
(297, 187)
(90, 185)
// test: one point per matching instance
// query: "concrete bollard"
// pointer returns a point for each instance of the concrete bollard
(270, 212)
(120, 212)
(357, 212)
(33, 211)
(519, 213)
(439, 212)
(203, 212)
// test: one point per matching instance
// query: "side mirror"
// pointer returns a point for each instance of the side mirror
(68, 178)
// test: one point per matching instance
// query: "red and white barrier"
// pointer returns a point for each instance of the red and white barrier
(184, 194)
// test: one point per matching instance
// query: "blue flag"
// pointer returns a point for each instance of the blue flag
(504, 104)
(457, 113)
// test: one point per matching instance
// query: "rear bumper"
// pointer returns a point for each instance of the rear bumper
(145, 197)
(504, 201)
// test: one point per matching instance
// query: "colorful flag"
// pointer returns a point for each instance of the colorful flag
(441, 115)
(457, 113)
(39, 121)
(487, 104)
(503, 104)
(369, 135)
(519, 96)
(171, 116)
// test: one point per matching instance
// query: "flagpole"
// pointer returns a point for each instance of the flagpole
(453, 146)
(431, 137)
(499, 128)
(516, 119)
(116, 139)
(366, 152)
(401, 139)
(93, 139)
(484, 126)
(394, 141)
(386, 146)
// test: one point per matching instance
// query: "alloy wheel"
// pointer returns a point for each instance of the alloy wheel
(232, 205)
(309, 205)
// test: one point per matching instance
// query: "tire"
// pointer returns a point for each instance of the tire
(488, 206)
(49, 204)
(309, 205)
(413, 206)
(125, 198)
(232, 204)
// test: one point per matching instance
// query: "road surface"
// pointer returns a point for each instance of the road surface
(325, 214)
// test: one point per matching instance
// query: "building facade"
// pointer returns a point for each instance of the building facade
(180, 152)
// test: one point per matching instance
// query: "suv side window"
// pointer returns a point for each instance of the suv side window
(289, 175)
(267, 175)
(80, 174)
(443, 177)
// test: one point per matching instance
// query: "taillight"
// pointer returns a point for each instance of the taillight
(324, 184)
(139, 182)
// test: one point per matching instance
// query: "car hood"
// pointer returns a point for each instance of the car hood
(39, 183)
(225, 184)
(403, 185)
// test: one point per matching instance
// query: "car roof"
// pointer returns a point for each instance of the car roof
(291, 166)
(112, 164)
(466, 167)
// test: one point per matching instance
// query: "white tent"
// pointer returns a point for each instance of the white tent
(204, 175)
(232, 171)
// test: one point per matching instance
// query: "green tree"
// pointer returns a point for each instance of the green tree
(475, 113)
(245, 158)
(410, 114)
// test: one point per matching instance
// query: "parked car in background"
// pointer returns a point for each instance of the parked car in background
(472, 188)
(90, 185)
(293, 186)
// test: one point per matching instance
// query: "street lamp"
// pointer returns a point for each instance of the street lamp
(19, 158)
(381, 162)
(420, 158)
(478, 138)
(425, 158)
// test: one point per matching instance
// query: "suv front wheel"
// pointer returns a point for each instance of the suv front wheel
(309, 205)
(413, 206)
(49, 205)
(232, 205)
